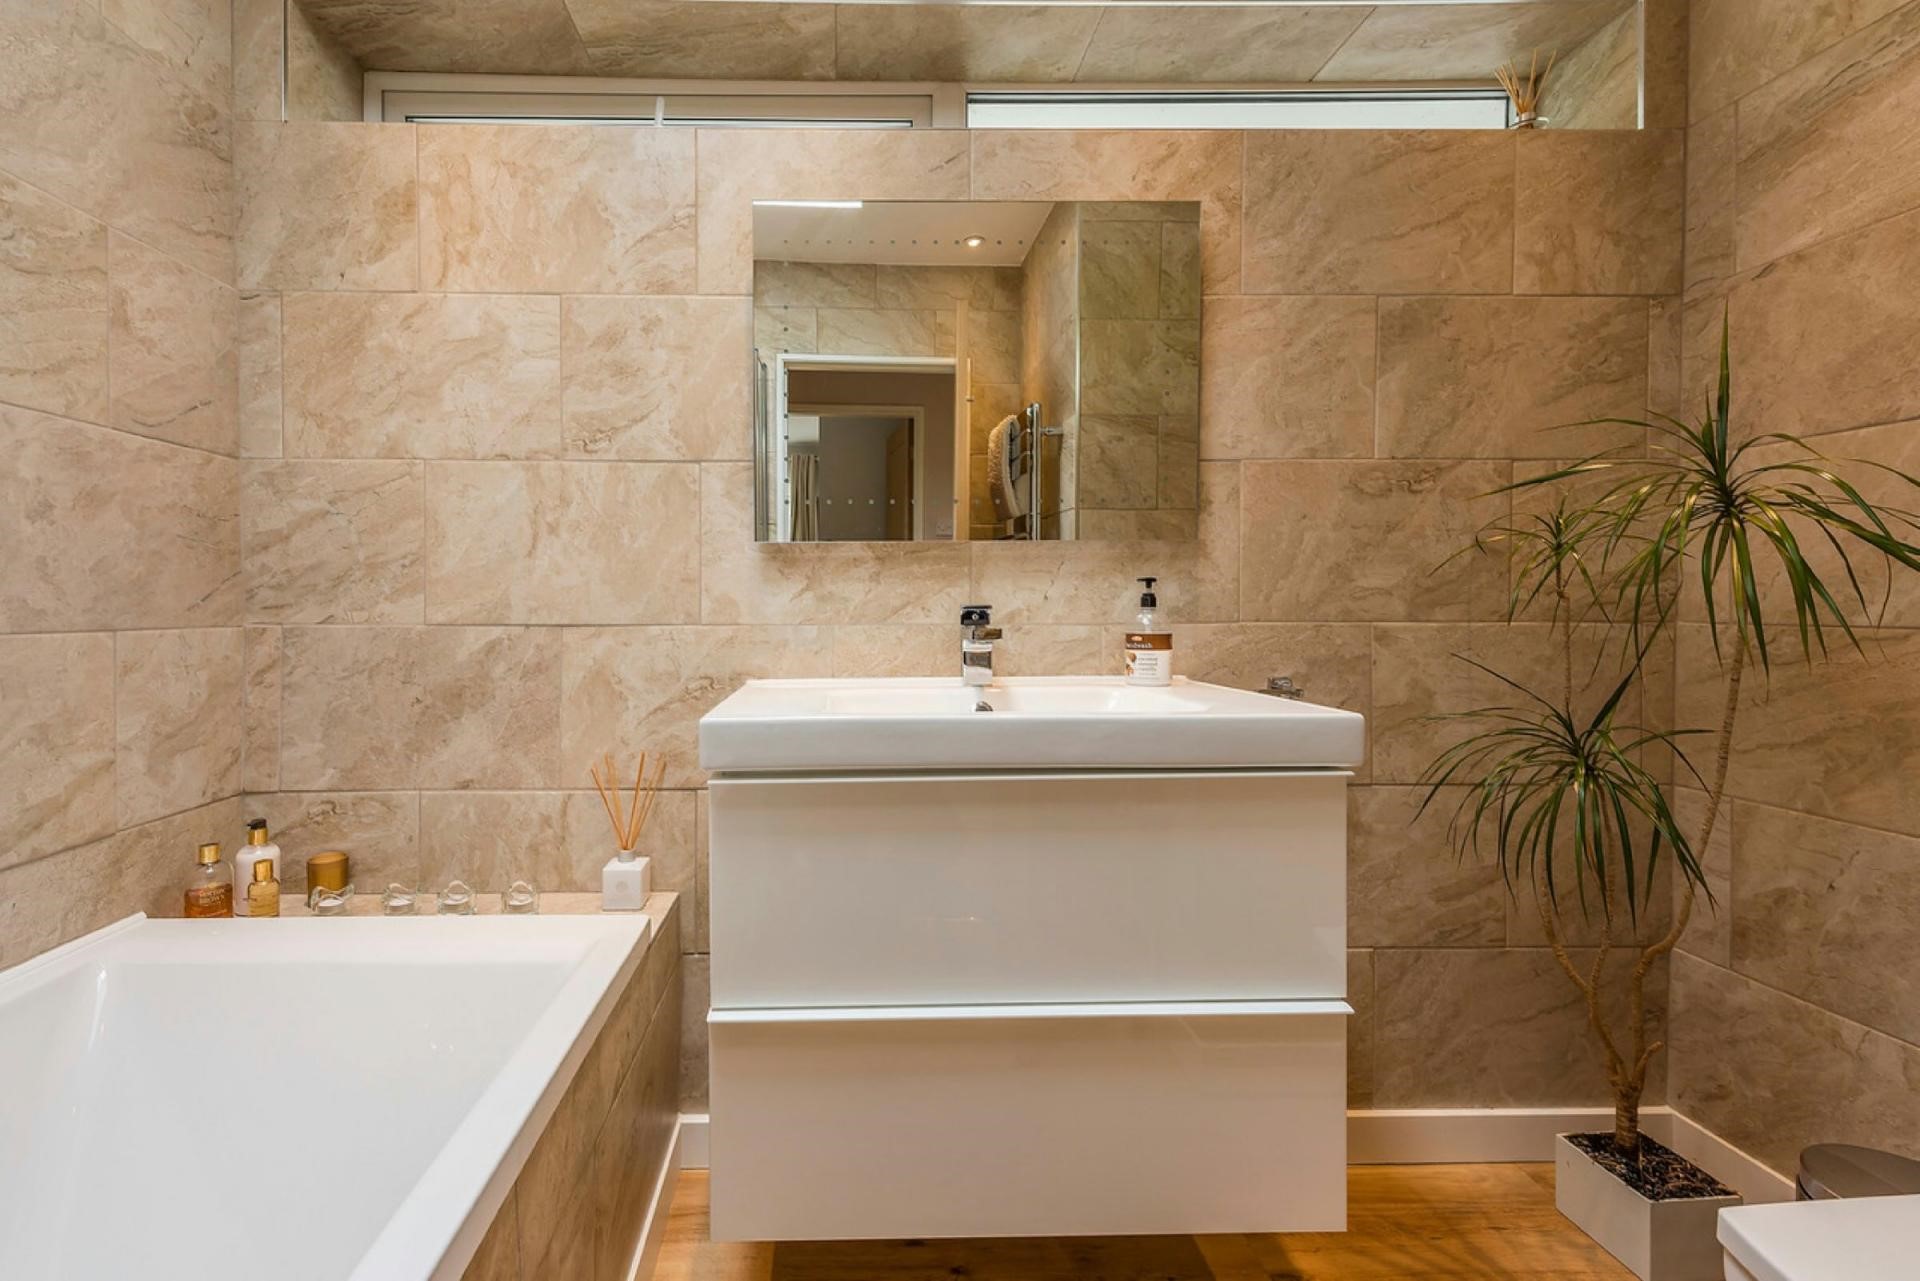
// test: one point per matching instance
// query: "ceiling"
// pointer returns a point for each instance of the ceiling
(1129, 42)
(913, 232)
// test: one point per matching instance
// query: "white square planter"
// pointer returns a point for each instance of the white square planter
(1657, 1240)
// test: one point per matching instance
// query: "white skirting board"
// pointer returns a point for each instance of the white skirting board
(1451, 1136)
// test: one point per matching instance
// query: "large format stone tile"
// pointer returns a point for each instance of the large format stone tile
(259, 43)
(871, 332)
(1344, 211)
(260, 711)
(1663, 40)
(1599, 211)
(634, 689)
(175, 374)
(379, 832)
(740, 166)
(421, 376)
(711, 40)
(429, 707)
(1406, 887)
(105, 530)
(1509, 377)
(1360, 1029)
(554, 840)
(1287, 377)
(53, 305)
(324, 81)
(1596, 85)
(564, 208)
(1123, 165)
(1361, 541)
(563, 543)
(1332, 663)
(1736, 46)
(1827, 147)
(1771, 1074)
(501, 37)
(778, 283)
(260, 382)
(178, 728)
(334, 542)
(656, 378)
(1152, 45)
(1710, 202)
(56, 756)
(960, 42)
(1821, 910)
(1436, 41)
(746, 582)
(1709, 933)
(326, 206)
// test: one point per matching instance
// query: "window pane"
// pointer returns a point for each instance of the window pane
(1461, 109)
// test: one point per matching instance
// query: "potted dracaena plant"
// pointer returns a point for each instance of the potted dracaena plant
(1760, 531)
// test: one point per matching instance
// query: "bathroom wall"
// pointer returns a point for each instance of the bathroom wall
(1797, 1004)
(497, 490)
(120, 650)
(1050, 362)
(285, 68)
(1596, 84)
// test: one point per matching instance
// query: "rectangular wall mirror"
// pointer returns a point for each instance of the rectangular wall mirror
(976, 370)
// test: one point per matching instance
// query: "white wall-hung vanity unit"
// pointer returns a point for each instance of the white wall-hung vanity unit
(1073, 965)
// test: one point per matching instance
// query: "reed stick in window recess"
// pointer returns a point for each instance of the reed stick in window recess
(1524, 94)
(627, 878)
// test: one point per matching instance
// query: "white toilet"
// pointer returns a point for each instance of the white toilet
(1865, 1239)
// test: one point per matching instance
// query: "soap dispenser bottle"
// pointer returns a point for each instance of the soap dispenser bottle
(258, 849)
(1149, 644)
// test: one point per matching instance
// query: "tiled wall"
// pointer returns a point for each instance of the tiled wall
(120, 650)
(1596, 84)
(1050, 365)
(1798, 1004)
(496, 499)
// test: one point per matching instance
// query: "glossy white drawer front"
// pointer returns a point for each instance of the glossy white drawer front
(1023, 1121)
(916, 890)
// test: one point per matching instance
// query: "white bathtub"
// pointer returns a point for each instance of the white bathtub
(306, 1098)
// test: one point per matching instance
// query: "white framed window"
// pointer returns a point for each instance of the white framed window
(1461, 108)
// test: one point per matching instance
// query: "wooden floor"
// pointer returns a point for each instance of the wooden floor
(1407, 1223)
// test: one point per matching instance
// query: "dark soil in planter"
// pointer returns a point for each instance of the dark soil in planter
(1663, 1174)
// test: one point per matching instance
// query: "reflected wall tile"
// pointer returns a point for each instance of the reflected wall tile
(500, 37)
(378, 831)
(326, 206)
(1599, 211)
(1152, 45)
(760, 41)
(647, 688)
(1139, 367)
(863, 332)
(917, 288)
(1432, 42)
(259, 375)
(1339, 211)
(56, 756)
(1504, 377)
(571, 208)
(1358, 541)
(1287, 377)
(956, 43)
(53, 305)
(422, 376)
(174, 366)
(1406, 887)
(436, 707)
(324, 81)
(1119, 461)
(656, 378)
(109, 530)
(334, 542)
(177, 702)
(260, 711)
(1076, 164)
(778, 283)
(562, 543)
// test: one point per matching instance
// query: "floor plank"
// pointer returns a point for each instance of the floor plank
(1430, 1222)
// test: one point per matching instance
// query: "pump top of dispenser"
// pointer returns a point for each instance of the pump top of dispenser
(210, 852)
(1147, 599)
(257, 831)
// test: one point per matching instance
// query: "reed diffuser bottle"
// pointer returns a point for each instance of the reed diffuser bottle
(627, 878)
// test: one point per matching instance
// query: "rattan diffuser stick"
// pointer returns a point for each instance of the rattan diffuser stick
(629, 821)
(1526, 93)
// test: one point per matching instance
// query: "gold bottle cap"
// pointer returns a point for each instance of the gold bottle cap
(327, 871)
(210, 852)
(257, 832)
(263, 869)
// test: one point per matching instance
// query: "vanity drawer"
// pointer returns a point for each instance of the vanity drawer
(1071, 887)
(1022, 1121)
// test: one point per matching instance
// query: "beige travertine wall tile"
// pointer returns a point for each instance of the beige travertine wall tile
(896, 649)
(1599, 212)
(696, 996)
(1596, 84)
(334, 542)
(1826, 148)
(259, 44)
(959, 43)
(1072, 649)
(108, 530)
(1360, 1029)
(778, 283)
(1710, 201)
(1317, 537)
(711, 40)
(785, 329)
(174, 371)
(1772, 1074)
(1821, 911)
(862, 332)
(260, 711)
(53, 305)
(563, 208)
(414, 707)
(915, 288)
(1338, 211)
(1667, 392)
(178, 720)
(1287, 377)
(555, 840)
(422, 376)
(326, 206)
(1735, 46)
(259, 374)
(1439, 1042)
(502, 37)
(1406, 887)
(1119, 461)
(745, 582)
(655, 378)
(1709, 933)
(324, 81)
(647, 688)
(700, 924)
(1664, 56)
(562, 543)
(56, 757)
(378, 831)
(739, 166)
(1333, 663)
(1139, 367)
(670, 841)
(1506, 377)
(1433, 41)
(1154, 45)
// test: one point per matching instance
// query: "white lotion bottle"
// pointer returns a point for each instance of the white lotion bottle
(259, 847)
(1149, 643)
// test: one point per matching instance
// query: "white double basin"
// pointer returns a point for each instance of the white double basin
(1075, 965)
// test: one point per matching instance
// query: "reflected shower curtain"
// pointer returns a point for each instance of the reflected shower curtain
(803, 484)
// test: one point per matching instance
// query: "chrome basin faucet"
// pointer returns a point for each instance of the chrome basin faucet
(976, 644)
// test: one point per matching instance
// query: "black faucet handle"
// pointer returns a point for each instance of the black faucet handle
(976, 615)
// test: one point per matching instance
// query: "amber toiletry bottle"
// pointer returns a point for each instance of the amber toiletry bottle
(263, 892)
(210, 888)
